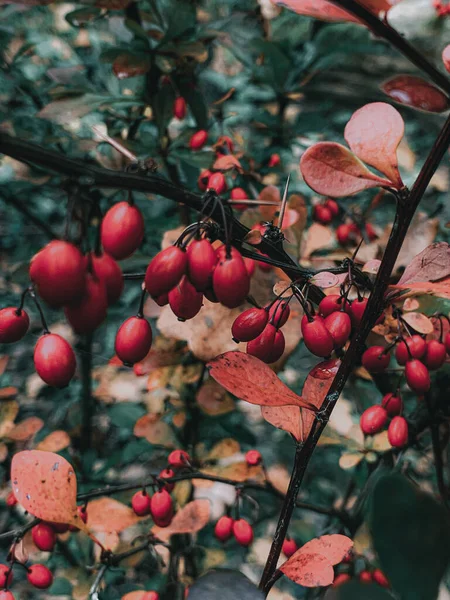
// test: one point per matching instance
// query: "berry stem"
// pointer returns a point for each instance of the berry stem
(41, 312)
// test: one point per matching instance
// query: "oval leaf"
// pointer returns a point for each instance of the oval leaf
(334, 547)
(332, 170)
(287, 418)
(130, 65)
(26, 429)
(189, 519)
(251, 380)
(416, 92)
(45, 485)
(109, 515)
(325, 280)
(54, 442)
(373, 134)
(419, 322)
(327, 11)
(309, 570)
(431, 264)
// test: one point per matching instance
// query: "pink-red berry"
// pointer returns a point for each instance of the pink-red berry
(122, 230)
(14, 324)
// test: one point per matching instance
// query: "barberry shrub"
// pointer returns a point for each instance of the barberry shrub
(224, 324)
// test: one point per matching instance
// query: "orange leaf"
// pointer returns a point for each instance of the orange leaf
(416, 92)
(227, 162)
(373, 134)
(45, 485)
(309, 570)
(54, 442)
(189, 519)
(333, 547)
(419, 322)
(26, 429)
(154, 430)
(137, 595)
(250, 379)
(107, 514)
(332, 170)
(8, 392)
(287, 418)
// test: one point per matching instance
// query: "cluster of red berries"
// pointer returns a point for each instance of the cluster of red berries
(38, 575)
(375, 418)
(350, 233)
(442, 9)
(325, 211)
(365, 576)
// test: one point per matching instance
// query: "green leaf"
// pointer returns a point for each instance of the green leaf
(224, 584)
(60, 587)
(162, 104)
(196, 101)
(125, 415)
(410, 533)
(358, 591)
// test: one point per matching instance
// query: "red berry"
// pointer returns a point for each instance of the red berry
(44, 536)
(224, 528)
(250, 265)
(133, 340)
(54, 360)
(373, 419)
(202, 260)
(108, 271)
(243, 532)
(279, 344)
(203, 179)
(210, 295)
(447, 343)
(340, 327)
(13, 324)
(274, 160)
(370, 231)
(198, 139)
(435, 355)
(356, 311)
(417, 376)
(231, 282)
(167, 474)
(365, 577)
(165, 271)
(217, 182)
(224, 143)
(184, 300)
(239, 193)
(253, 458)
(150, 596)
(279, 313)
(380, 578)
(263, 346)
(161, 508)
(162, 300)
(346, 233)
(322, 214)
(178, 459)
(6, 576)
(341, 579)
(140, 503)
(59, 270)
(249, 324)
(332, 206)
(330, 304)
(316, 336)
(90, 312)
(11, 501)
(375, 360)
(6, 595)
(417, 346)
(122, 230)
(393, 404)
(398, 432)
(179, 108)
(40, 576)
(289, 547)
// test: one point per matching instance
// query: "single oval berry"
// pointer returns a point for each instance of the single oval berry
(316, 336)
(365, 577)
(203, 179)
(274, 160)
(161, 508)
(44, 537)
(201, 261)
(262, 346)
(249, 324)
(59, 271)
(279, 313)
(184, 300)
(231, 282)
(253, 458)
(179, 108)
(108, 271)
(398, 432)
(133, 340)
(340, 327)
(54, 360)
(393, 404)
(178, 459)
(341, 579)
(375, 360)
(243, 532)
(289, 547)
(217, 182)
(346, 233)
(122, 230)
(140, 503)
(40, 576)
(165, 271)
(417, 376)
(373, 419)
(14, 324)
(11, 500)
(435, 355)
(90, 312)
(167, 474)
(6, 576)
(224, 528)
(330, 304)
(279, 344)
(332, 206)
(416, 345)
(239, 193)
(6, 595)
(198, 139)
(380, 578)
(371, 233)
(322, 214)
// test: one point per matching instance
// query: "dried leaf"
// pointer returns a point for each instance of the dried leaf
(279, 289)
(45, 485)
(421, 234)
(130, 65)
(287, 418)
(349, 460)
(372, 266)
(431, 264)
(325, 280)
(251, 380)
(26, 429)
(213, 399)
(373, 134)
(224, 449)
(69, 109)
(318, 237)
(8, 412)
(8, 392)
(189, 519)
(440, 289)
(332, 170)
(54, 442)
(227, 162)
(419, 322)
(109, 515)
(416, 92)
(155, 431)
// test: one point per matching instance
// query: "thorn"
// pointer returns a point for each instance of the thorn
(114, 144)
(284, 203)
(357, 249)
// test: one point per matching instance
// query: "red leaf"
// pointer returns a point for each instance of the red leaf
(332, 170)
(446, 57)
(441, 289)
(315, 389)
(373, 134)
(45, 485)
(431, 264)
(416, 92)
(333, 547)
(287, 418)
(189, 519)
(129, 65)
(329, 12)
(227, 162)
(250, 379)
